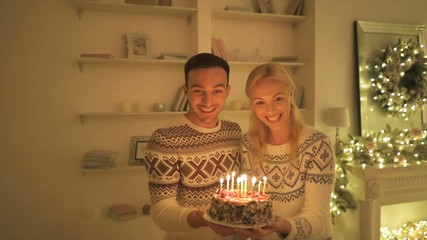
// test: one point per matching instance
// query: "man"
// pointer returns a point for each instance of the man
(186, 159)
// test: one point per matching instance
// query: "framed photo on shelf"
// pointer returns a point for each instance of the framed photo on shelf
(137, 45)
(266, 6)
(137, 147)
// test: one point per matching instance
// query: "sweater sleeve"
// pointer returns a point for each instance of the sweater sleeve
(314, 220)
(163, 182)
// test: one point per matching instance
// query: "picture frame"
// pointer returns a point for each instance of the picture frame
(137, 147)
(371, 37)
(267, 6)
(138, 45)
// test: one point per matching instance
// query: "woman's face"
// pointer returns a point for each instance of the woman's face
(270, 101)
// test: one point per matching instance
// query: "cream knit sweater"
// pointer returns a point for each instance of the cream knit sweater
(301, 192)
(185, 163)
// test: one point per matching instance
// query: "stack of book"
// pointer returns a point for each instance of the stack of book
(173, 56)
(295, 7)
(284, 58)
(122, 212)
(181, 101)
(143, 2)
(218, 48)
(99, 159)
(240, 8)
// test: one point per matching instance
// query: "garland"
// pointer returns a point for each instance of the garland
(399, 79)
(388, 146)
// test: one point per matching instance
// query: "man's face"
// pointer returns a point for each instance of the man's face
(207, 91)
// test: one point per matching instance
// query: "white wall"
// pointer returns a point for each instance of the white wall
(41, 92)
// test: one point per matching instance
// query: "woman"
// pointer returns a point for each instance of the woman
(296, 159)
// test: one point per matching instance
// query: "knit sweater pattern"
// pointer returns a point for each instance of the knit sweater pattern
(184, 164)
(301, 189)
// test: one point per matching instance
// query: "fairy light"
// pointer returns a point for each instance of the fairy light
(386, 76)
(399, 148)
(409, 230)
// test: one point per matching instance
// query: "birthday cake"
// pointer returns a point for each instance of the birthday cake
(237, 208)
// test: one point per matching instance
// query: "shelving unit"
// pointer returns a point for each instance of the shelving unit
(97, 6)
(200, 19)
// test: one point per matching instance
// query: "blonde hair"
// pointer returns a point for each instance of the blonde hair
(258, 132)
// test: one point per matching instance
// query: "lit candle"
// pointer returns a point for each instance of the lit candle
(228, 183)
(242, 189)
(232, 180)
(238, 185)
(259, 188)
(220, 187)
(265, 183)
(253, 184)
(246, 185)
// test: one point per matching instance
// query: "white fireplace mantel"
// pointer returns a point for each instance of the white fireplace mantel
(375, 187)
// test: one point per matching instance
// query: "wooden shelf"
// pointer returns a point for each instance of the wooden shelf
(82, 61)
(290, 64)
(83, 5)
(85, 115)
(249, 16)
(120, 167)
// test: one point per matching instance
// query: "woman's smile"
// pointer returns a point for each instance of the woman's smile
(274, 118)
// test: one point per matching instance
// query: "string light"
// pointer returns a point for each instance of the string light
(399, 79)
(410, 230)
(386, 147)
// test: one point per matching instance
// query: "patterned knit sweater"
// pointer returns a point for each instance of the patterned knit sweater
(184, 164)
(301, 192)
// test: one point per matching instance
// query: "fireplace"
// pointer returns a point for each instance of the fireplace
(379, 189)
